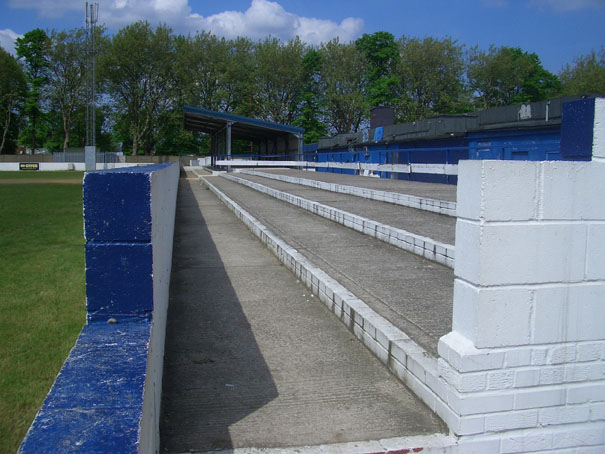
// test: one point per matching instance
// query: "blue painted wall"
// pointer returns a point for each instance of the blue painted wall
(577, 129)
(534, 145)
(97, 403)
(499, 134)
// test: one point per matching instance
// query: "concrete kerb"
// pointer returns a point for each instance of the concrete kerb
(410, 242)
(421, 203)
(409, 362)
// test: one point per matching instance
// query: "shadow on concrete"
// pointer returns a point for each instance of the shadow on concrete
(214, 372)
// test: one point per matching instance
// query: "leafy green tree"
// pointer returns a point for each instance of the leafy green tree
(172, 138)
(33, 49)
(138, 70)
(12, 93)
(200, 64)
(238, 79)
(311, 102)
(508, 75)
(279, 79)
(382, 55)
(67, 76)
(586, 76)
(343, 84)
(430, 76)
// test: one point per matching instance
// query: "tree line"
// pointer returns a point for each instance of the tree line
(145, 75)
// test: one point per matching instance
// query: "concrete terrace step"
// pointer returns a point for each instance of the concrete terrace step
(435, 191)
(412, 293)
(422, 233)
(371, 323)
(254, 362)
(421, 202)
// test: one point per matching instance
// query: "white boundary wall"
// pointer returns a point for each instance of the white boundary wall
(523, 369)
(14, 166)
(439, 169)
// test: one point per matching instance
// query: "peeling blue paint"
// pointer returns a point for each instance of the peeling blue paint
(119, 280)
(117, 204)
(97, 402)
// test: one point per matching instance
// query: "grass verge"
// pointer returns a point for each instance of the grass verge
(42, 296)
(58, 175)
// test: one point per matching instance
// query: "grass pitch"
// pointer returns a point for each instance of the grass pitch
(58, 175)
(42, 294)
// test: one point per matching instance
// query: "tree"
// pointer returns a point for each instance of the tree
(33, 49)
(12, 92)
(343, 84)
(67, 76)
(382, 55)
(430, 77)
(279, 79)
(238, 79)
(507, 75)
(311, 102)
(586, 76)
(200, 63)
(137, 67)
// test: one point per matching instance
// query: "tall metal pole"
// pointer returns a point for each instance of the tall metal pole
(92, 17)
(90, 150)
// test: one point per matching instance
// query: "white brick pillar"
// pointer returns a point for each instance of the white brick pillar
(524, 362)
(598, 137)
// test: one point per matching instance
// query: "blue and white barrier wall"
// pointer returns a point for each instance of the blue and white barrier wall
(107, 396)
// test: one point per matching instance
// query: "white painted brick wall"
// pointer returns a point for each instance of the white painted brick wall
(598, 138)
(525, 358)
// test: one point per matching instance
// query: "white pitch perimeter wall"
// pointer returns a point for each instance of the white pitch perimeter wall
(523, 369)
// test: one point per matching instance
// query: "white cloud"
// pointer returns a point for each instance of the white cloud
(265, 17)
(262, 18)
(118, 13)
(7, 40)
(568, 5)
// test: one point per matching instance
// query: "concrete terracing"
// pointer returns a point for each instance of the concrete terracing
(432, 225)
(430, 190)
(254, 360)
(411, 292)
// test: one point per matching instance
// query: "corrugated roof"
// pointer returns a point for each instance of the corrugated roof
(209, 121)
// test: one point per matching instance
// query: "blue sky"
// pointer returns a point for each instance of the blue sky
(557, 30)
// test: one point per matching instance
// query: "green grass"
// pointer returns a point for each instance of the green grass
(43, 175)
(42, 296)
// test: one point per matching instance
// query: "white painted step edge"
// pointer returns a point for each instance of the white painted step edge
(420, 245)
(422, 203)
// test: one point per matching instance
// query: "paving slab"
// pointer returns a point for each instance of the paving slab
(253, 360)
(439, 227)
(413, 293)
(417, 188)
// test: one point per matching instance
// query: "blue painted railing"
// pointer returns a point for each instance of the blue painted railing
(106, 398)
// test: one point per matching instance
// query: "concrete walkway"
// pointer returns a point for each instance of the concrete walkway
(254, 360)
(411, 292)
